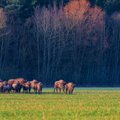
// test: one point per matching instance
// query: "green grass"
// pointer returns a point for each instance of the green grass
(84, 104)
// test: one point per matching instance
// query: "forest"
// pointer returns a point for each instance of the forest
(74, 40)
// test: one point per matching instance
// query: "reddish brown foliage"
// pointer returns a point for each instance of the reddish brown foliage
(2, 19)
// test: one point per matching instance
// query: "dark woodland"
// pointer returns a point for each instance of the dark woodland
(73, 40)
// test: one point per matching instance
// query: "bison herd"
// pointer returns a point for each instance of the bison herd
(61, 85)
(20, 84)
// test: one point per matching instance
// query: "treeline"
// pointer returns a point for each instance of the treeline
(23, 6)
(78, 42)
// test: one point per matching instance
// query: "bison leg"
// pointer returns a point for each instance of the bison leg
(29, 90)
(54, 90)
(66, 91)
(63, 90)
(60, 90)
(72, 91)
(41, 90)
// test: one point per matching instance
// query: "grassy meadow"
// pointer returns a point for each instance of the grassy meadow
(84, 104)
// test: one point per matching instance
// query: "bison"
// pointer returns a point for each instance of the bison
(16, 87)
(26, 87)
(38, 88)
(16, 84)
(33, 84)
(59, 85)
(20, 80)
(11, 81)
(6, 87)
(69, 87)
(15, 81)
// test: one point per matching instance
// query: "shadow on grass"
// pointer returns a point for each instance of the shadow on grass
(32, 93)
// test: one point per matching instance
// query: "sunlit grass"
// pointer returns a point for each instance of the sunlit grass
(84, 104)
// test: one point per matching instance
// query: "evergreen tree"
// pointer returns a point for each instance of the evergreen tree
(110, 6)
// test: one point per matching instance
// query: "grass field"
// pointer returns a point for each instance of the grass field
(84, 104)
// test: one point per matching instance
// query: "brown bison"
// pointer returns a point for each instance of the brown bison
(33, 84)
(11, 81)
(16, 87)
(59, 86)
(16, 84)
(15, 81)
(20, 80)
(69, 87)
(26, 87)
(6, 87)
(38, 88)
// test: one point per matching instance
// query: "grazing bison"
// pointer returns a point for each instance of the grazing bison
(59, 85)
(26, 87)
(38, 88)
(69, 87)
